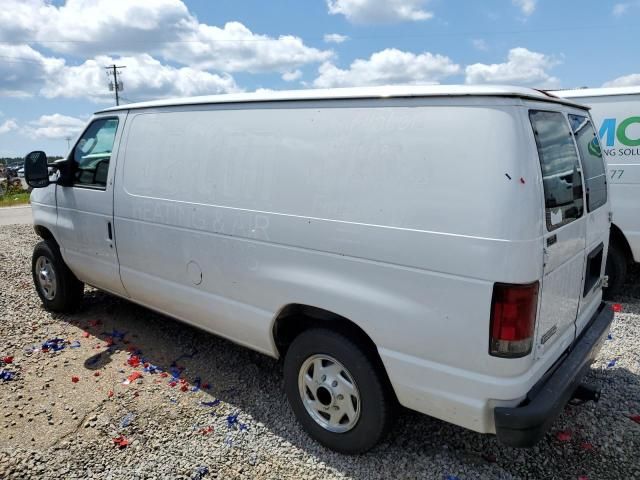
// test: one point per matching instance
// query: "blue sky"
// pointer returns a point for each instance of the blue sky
(53, 53)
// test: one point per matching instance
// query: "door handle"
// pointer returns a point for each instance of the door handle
(109, 231)
(551, 240)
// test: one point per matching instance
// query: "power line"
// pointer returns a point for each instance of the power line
(116, 85)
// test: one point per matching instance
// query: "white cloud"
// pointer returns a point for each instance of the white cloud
(620, 9)
(162, 28)
(23, 70)
(380, 11)
(54, 126)
(389, 66)
(26, 72)
(625, 81)
(523, 67)
(335, 38)
(526, 6)
(144, 78)
(480, 44)
(7, 126)
(235, 48)
(291, 76)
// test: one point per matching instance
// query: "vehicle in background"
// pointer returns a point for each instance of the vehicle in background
(432, 246)
(616, 113)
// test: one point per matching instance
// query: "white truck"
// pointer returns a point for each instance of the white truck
(616, 113)
(427, 246)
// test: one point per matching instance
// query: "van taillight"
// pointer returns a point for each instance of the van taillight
(513, 319)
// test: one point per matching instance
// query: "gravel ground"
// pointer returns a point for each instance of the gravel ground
(61, 412)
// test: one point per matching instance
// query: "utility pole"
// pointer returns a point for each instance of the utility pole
(115, 85)
(68, 139)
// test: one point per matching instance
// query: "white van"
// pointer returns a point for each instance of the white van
(392, 245)
(616, 113)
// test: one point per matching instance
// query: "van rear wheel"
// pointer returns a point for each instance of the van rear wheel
(336, 391)
(616, 270)
(57, 286)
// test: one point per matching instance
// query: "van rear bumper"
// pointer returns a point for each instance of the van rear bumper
(524, 425)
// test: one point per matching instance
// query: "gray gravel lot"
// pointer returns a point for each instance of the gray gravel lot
(53, 427)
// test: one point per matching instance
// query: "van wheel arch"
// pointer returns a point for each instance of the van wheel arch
(617, 238)
(45, 234)
(294, 319)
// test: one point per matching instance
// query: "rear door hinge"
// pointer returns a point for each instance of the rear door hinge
(610, 216)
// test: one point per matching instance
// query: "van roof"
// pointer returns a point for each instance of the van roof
(354, 93)
(596, 92)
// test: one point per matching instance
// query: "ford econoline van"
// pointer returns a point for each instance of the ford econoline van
(432, 247)
(616, 113)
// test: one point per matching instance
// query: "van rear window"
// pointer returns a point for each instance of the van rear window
(595, 177)
(560, 168)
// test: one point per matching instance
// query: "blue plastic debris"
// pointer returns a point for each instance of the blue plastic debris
(75, 344)
(215, 403)
(612, 363)
(150, 368)
(232, 420)
(7, 375)
(609, 337)
(200, 473)
(452, 477)
(115, 334)
(55, 344)
(196, 384)
(243, 427)
(126, 420)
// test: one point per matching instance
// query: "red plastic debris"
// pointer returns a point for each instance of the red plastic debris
(96, 374)
(206, 430)
(134, 361)
(206, 386)
(635, 418)
(85, 334)
(172, 384)
(7, 359)
(109, 341)
(587, 446)
(616, 307)
(184, 387)
(75, 379)
(121, 441)
(132, 378)
(110, 393)
(583, 477)
(564, 436)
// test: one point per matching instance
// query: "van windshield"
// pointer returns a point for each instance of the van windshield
(595, 177)
(560, 168)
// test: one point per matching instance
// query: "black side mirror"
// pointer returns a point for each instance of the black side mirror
(36, 170)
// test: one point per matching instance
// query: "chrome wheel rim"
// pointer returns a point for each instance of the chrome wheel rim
(46, 277)
(329, 393)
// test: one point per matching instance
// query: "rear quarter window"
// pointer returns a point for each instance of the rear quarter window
(595, 178)
(560, 168)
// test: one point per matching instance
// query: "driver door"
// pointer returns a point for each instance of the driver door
(85, 207)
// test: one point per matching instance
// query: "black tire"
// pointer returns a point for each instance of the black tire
(616, 270)
(377, 402)
(68, 291)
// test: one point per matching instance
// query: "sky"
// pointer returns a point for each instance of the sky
(53, 53)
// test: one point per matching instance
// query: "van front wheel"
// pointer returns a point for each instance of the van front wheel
(57, 286)
(336, 391)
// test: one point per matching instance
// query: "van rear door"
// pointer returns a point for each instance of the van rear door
(564, 229)
(597, 212)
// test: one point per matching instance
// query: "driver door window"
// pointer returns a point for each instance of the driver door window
(92, 154)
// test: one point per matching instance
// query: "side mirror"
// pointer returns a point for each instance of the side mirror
(36, 170)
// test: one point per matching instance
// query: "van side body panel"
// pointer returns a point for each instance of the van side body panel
(223, 216)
